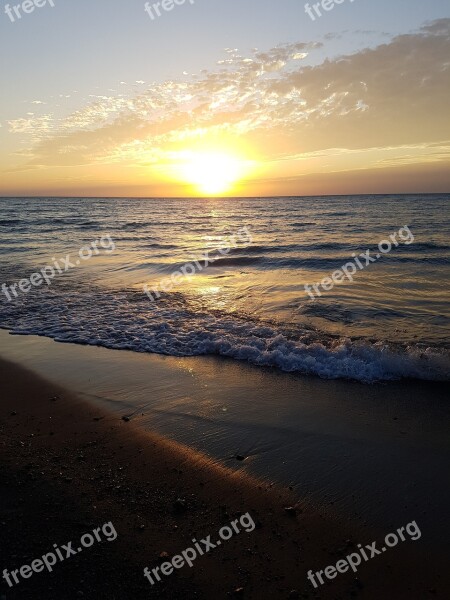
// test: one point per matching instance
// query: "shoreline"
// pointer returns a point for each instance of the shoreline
(342, 446)
(69, 465)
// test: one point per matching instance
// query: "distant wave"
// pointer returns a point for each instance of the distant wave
(313, 262)
(303, 224)
(421, 246)
(237, 261)
(159, 246)
(133, 226)
(9, 221)
(334, 214)
(49, 223)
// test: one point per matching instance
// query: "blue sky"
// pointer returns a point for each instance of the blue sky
(101, 42)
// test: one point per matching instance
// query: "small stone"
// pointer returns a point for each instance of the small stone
(240, 457)
(290, 510)
(125, 418)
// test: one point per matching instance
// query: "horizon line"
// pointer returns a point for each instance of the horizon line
(224, 197)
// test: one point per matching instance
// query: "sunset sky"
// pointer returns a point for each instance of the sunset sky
(225, 97)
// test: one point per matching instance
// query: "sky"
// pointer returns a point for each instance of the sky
(224, 97)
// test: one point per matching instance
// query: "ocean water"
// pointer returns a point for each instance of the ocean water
(391, 322)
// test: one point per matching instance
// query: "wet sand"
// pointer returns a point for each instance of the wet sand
(377, 454)
(69, 466)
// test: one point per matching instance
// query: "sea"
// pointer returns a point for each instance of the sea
(390, 321)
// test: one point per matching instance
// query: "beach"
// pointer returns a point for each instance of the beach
(224, 300)
(75, 457)
(177, 399)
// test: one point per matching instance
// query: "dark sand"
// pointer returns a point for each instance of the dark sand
(67, 468)
(376, 454)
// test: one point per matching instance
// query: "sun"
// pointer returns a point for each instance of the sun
(212, 173)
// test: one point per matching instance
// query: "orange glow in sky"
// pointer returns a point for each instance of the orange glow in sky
(211, 173)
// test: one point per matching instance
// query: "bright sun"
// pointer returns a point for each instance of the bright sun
(212, 173)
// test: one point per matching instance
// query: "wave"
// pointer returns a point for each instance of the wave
(316, 262)
(402, 299)
(159, 246)
(237, 261)
(133, 226)
(10, 221)
(127, 320)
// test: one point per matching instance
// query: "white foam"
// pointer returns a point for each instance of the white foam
(123, 320)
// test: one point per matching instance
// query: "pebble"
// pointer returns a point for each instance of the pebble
(290, 510)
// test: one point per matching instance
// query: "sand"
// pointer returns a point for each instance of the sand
(69, 466)
(375, 454)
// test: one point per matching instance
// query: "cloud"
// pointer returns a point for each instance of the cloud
(395, 94)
